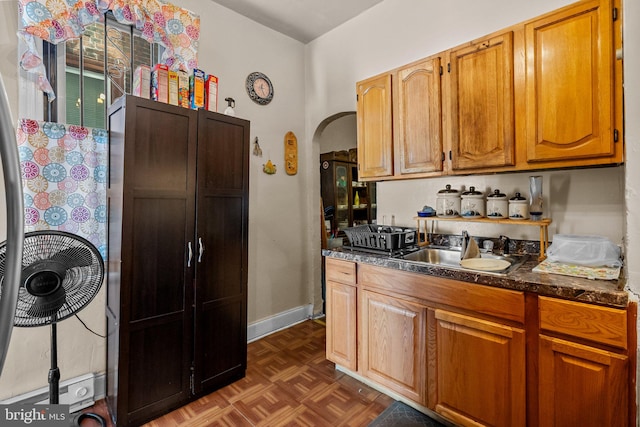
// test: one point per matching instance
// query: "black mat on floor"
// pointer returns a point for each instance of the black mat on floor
(401, 415)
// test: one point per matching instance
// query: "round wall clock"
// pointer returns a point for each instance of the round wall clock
(259, 88)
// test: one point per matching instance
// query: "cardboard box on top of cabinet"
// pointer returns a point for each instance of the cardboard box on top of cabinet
(196, 89)
(160, 83)
(173, 87)
(183, 89)
(142, 81)
(211, 91)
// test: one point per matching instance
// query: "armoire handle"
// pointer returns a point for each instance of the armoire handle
(190, 255)
(200, 249)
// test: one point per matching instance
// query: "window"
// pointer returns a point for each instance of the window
(84, 86)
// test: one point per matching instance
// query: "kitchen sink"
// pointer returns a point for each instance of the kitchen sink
(450, 258)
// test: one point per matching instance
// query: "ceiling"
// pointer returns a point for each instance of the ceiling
(303, 20)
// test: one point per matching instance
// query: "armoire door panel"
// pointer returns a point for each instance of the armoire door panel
(159, 153)
(158, 272)
(221, 159)
(219, 272)
(158, 349)
(220, 346)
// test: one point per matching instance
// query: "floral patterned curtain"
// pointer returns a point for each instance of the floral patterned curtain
(175, 28)
(64, 176)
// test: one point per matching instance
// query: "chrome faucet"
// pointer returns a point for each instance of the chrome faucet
(465, 242)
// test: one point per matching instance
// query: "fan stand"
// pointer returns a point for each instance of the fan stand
(54, 372)
(54, 381)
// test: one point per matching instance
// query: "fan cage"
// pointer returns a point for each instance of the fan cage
(83, 277)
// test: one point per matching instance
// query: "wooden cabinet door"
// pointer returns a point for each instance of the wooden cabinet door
(220, 247)
(581, 385)
(341, 325)
(480, 369)
(393, 344)
(375, 137)
(418, 118)
(569, 85)
(481, 104)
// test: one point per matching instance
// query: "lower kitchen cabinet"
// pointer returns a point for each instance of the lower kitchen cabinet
(480, 371)
(582, 385)
(584, 367)
(341, 324)
(479, 355)
(393, 345)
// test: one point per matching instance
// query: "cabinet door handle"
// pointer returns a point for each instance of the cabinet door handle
(200, 249)
(190, 255)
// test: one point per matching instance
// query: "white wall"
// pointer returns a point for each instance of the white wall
(231, 47)
(340, 134)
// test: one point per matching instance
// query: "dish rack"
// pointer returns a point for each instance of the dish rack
(381, 237)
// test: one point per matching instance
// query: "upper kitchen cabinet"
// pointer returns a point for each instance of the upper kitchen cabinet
(542, 94)
(417, 118)
(570, 87)
(481, 103)
(375, 135)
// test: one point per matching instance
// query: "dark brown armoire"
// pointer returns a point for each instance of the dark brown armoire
(177, 256)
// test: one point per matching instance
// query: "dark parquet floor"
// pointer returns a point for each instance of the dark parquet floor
(289, 382)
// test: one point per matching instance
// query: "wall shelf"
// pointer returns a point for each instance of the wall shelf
(543, 224)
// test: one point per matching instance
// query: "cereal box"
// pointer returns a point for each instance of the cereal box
(160, 83)
(173, 88)
(196, 89)
(183, 89)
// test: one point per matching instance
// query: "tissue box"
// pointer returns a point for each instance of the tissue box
(142, 82)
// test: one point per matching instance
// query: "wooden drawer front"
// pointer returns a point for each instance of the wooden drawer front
(341, 271)
(599, 324)
(502, 303)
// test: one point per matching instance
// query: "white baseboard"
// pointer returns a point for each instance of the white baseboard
(79, 393)
(278, 321)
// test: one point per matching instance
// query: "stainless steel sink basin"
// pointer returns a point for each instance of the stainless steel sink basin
(450, 258)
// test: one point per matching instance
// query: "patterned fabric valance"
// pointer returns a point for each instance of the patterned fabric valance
(175, 28)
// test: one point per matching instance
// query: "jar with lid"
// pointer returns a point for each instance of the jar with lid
(497, 205)
(518, 207)
(472, 204)
(448, 202)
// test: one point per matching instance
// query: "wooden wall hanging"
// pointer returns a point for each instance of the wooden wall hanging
(291, 153)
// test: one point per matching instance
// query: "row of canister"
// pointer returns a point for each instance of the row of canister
(450, 203)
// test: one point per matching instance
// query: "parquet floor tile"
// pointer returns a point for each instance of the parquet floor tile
(289, 383)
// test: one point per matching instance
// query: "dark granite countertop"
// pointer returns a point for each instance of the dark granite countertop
(604, 292)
